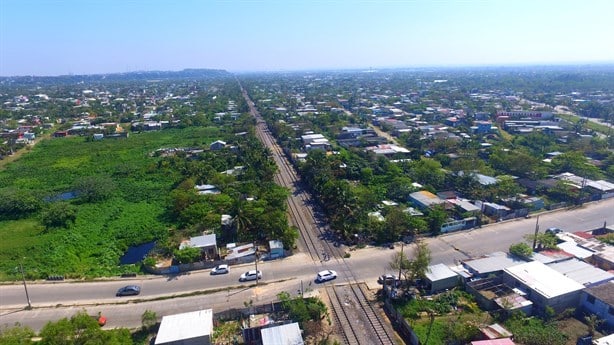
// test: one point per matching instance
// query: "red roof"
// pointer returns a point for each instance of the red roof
(583, 234)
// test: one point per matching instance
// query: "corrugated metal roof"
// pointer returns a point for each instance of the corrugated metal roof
(289, 334)
(581, 272)
(203, 241)
(439, 272)
(190, 325)
(492, 263)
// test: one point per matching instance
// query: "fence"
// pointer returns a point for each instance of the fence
(400, 324)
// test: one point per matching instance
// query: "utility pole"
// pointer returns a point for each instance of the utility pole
(256, 262)
(536, 231)
(23, 277)
(400, 264)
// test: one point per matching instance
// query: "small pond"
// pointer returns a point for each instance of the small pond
(62, 197)
(135, 254)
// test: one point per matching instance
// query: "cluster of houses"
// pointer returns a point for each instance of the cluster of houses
(196, 327)
(576, 276)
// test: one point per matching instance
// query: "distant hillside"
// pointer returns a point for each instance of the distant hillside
(192, 73)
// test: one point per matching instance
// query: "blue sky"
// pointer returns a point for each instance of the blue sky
(53, 37)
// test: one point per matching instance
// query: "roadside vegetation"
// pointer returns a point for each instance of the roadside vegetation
(72, 206)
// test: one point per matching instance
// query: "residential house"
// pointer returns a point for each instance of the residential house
(425, 199)
(276, 249)
(544, 286)
(599, 300)
(492, 209)
(493, 263)
(240, 254)
(206, 243)
(288, 334)
(217, 145)
(207, 189)
(440, 277)
(582, 272)
(192, 328)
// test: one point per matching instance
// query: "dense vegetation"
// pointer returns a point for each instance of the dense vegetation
(123, 192)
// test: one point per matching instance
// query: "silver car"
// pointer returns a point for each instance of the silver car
(250, 275)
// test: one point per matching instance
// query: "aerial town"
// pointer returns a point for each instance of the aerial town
(368, 206)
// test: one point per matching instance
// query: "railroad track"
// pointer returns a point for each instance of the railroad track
(363, 326)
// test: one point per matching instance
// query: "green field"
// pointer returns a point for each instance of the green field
(102, 230)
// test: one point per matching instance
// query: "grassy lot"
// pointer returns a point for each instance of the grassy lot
(102, 230)
(588, 124)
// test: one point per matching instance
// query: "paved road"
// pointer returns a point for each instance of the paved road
(280, 275)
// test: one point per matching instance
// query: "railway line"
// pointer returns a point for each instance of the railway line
(353, 312)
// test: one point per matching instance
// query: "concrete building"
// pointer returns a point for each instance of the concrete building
(491, 264)
(276, 249)
(544, 286)
(440, 277)
(206, 243)
(193, 328)
(599, 300)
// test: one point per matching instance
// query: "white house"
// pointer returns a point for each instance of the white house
(190, 328)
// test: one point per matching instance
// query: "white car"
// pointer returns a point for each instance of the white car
(250, 275)
(326, 276)
(220, 269)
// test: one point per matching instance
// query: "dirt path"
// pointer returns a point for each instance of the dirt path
(16, 155)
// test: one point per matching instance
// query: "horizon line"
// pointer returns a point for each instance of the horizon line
(334, 69)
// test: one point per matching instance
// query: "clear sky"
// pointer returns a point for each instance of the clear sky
(52, 37)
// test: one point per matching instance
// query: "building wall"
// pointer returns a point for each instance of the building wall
(598, 307)
(540, 302)
(443, 284)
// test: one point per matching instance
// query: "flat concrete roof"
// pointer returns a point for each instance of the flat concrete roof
(543, 279)
(189, 325)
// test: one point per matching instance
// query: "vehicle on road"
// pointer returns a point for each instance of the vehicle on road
(220, 269)
(553, 231)
(128, 290)
(326, 275)
(388, 279)
(250, 275)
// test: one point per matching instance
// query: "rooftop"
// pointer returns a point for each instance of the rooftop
(492, 263)
(438, 272)
(604, 292)
(185, 326)
(288, 334)
(543, 279)
(581, 272)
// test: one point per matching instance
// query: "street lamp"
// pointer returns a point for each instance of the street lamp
(23, 277)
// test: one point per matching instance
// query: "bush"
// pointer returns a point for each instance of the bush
(522, 250)
(187, 255)
(15, 204)
(58, 215)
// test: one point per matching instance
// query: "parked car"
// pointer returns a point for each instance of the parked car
(250, 275)
(220, 269)
(553, 231)
(129, 290)
(326, 275)
(388, 279)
